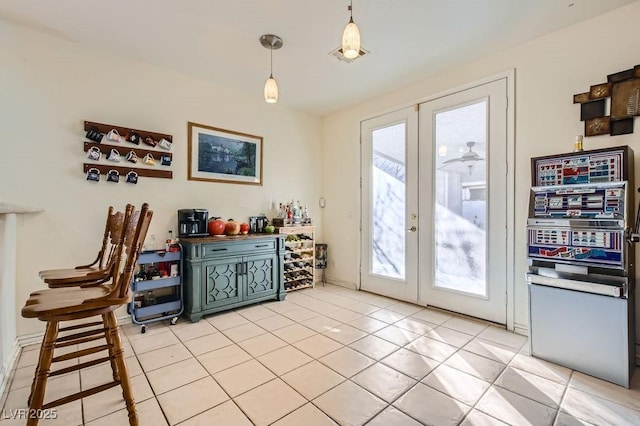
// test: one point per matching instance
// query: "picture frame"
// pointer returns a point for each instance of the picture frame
(220, 155)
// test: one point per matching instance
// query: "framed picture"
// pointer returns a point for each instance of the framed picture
(218, 155)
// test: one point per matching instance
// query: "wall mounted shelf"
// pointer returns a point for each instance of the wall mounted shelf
(105, 128)
(123, 170)
(125, 147)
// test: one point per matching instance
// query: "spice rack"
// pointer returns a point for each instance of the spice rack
(299, 257)
(123, 167)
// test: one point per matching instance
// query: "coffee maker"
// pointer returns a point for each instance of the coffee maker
(193, 223)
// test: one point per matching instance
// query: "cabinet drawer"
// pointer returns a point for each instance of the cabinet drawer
(224, 249)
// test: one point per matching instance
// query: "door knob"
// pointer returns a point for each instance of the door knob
(412, 229)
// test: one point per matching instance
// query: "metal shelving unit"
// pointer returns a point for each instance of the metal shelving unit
(146, 306)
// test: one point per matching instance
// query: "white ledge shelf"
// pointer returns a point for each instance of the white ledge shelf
(7, 208)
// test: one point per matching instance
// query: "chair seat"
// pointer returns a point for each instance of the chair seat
(54, 273)
(45, 304)
(64, 271)
(75, 277)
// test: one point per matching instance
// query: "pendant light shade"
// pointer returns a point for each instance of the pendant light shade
(271, 90)
(351, 38)
(271, 42)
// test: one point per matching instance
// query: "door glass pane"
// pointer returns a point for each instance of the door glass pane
(461, 198)
(388, 201)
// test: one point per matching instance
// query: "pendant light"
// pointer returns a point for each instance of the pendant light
(351, 37)
(271, 42)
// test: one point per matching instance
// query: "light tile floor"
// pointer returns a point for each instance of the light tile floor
(331, 355)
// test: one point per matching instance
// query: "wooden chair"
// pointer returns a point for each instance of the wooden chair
(100, 268)
(69, 304)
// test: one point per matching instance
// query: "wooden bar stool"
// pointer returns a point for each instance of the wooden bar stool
(100, 268)
(57, 305)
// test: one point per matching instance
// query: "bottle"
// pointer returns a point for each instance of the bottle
(169, 240)
(577, 145)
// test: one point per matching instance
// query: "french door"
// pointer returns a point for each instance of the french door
(434, 204)
(463, 193)
(389, 237)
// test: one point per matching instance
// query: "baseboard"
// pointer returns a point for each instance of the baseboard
(521, 329)
(345, 284)
(6, 372)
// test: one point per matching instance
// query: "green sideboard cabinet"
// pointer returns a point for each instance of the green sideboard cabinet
(222, 273)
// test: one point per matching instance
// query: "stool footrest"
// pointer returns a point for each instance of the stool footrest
(81, 394)
(79, 366)
(80, 353)
(80, 341)
(75, 327)
(81, 334)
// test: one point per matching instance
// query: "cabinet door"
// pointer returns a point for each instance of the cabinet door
(261, 275)
(223, 282)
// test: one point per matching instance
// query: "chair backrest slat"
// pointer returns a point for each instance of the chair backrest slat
(133, 246)
(136, 225)
(102, 254)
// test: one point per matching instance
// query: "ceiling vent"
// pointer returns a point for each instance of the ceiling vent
(338, 54)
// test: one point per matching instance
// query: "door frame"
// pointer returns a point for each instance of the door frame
(510, 105)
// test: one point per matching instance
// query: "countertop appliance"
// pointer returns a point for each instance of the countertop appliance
(581, 262)
(193, 223)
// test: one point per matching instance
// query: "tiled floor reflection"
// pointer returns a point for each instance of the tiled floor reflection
(329, 356)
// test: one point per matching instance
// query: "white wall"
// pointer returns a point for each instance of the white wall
(49, 86)
(549, 71)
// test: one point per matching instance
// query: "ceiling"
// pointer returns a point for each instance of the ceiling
(218, 40)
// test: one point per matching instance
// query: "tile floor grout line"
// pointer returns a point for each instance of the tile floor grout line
(407, 391)
(562, 398)
(491, 385)
(210, 375)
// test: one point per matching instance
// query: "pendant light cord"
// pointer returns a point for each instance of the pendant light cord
(271, 68)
